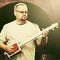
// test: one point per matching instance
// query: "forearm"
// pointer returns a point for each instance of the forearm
(42, 41)
(2, 45)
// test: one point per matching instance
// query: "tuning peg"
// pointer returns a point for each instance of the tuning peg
(53, 29)
(57, 27)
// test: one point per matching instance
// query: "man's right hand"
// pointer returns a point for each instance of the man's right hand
(9, 49)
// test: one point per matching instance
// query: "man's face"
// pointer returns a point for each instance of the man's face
(21, 13)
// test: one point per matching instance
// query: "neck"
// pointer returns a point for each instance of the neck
(20, 22)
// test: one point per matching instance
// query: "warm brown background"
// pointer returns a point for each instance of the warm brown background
(52, 9)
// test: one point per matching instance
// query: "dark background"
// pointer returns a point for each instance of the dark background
(36, 15)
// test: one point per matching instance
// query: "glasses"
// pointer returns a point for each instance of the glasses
(22, 12)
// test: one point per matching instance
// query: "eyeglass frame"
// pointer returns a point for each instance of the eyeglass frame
(22, 11)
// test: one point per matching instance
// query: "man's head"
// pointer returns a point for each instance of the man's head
(21, 12)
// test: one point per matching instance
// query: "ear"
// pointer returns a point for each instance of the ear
(15, 13)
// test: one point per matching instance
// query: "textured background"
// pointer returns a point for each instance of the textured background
(42, 12)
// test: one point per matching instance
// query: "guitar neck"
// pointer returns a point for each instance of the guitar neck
(39, 34)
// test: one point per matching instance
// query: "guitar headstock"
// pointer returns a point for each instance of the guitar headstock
(55, 25)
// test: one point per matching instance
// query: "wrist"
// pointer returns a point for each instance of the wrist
(38, 41)
(4, 47)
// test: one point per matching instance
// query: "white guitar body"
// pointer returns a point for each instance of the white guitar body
(32, 38)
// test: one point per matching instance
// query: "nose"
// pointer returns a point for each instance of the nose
(25, 13)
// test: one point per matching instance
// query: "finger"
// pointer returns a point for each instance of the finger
(11, 50)
(12, 47)
(42, 28)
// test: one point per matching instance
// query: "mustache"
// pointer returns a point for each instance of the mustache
(23, 19)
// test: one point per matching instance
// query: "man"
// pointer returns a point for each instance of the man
(20, 30)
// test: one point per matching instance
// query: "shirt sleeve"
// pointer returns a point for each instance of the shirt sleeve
(3, 34)
(37, 28)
